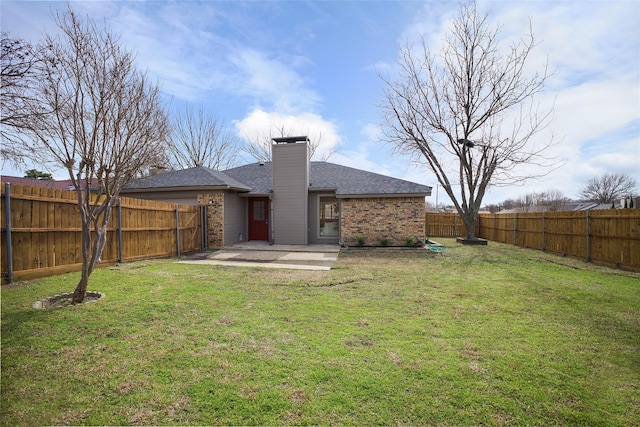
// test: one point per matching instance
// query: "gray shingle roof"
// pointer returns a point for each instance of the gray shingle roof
(254, 175)
(355, 182)
(345, 181)
(256, 178)
(187, 178)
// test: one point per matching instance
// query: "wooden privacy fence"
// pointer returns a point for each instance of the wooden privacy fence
(41, 231)
(440, 224)
(609, 236)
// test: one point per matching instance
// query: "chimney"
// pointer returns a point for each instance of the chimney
(290, 180)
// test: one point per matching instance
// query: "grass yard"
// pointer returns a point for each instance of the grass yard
(493, 335)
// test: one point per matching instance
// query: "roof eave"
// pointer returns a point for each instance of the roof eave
(252, 194)
(322, 189)
(380, 195)
(185, 188)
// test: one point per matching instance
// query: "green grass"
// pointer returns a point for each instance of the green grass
(475, 335)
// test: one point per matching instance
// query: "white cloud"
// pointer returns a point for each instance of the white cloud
(260, 125)
(272, 82)
(197, 56)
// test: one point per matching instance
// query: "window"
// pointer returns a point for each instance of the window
(329, 216)
(258, 210)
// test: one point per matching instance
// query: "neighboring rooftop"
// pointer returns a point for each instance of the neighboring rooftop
(64, 184)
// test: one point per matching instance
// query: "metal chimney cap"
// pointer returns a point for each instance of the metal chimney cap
(290, 139)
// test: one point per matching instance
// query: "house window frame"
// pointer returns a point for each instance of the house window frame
(322, 220)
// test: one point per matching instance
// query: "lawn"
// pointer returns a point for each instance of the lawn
(493, 335)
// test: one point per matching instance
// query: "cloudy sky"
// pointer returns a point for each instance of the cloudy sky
(313, 67)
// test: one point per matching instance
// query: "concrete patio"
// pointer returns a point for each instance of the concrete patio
(262, 254)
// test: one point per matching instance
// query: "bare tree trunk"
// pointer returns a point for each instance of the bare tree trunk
(81, 289)
(92, 249)
(470, 223)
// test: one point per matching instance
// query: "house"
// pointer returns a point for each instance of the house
(294, 201)
(65, 184)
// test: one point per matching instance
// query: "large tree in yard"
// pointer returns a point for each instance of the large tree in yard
(106, 123)
(467, 111)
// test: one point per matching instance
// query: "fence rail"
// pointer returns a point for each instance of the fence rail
(609, 236)
(41, 231)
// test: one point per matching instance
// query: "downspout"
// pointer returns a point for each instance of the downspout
(270, 220)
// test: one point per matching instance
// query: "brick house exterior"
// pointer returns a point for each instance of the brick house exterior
(395, 219)
(294, 201)
(215, 217)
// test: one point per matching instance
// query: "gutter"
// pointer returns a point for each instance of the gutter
(381, 195)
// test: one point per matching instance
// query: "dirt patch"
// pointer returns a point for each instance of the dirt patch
(64, 300)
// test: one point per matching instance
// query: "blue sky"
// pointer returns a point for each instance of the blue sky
(313, 67)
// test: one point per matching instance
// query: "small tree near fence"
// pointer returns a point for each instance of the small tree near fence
(105, 123)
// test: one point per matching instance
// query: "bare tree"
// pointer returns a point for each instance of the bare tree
(550, 200)
(555, 200)
(608, 188)
(199, 139)
(468, 112)
(18, 61)
(107, 123)
(259, 147)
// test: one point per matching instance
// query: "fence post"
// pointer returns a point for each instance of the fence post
(177, 230)
(515, 222)
(543, 244)
(120, 230)
(495, 227)
(7, 218)
(455, 225)
(588, 246)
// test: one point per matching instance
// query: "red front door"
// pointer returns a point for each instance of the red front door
(259, 218)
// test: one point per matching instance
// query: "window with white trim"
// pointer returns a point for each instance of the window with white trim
(329, 217)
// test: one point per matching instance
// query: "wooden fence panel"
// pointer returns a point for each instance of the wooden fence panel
(439, 224)
(529, 230)
(565, 233)
(606, 236)
(502, 229)
(46, 231)
(615, 236)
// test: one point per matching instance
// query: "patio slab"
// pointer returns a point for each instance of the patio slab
(262, 254)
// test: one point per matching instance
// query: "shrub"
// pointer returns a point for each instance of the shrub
(410, 241)
(360, 241)
(384, 242)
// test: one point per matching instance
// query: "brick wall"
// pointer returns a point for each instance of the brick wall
(394, 219)
(215, 218)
